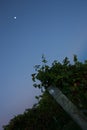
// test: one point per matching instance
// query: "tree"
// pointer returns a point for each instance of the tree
(47, 114)
(70, 78)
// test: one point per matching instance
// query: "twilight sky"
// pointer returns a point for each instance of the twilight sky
(28, 29)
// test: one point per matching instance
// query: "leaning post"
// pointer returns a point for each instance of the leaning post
(69, 107)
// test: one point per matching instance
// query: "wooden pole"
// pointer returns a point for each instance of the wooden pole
(69, 107)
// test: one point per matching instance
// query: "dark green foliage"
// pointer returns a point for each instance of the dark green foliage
(70, 78)
(47, 114)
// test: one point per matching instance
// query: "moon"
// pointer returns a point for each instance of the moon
(15, 17)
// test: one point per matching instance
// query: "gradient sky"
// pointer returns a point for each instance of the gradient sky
(56, 28)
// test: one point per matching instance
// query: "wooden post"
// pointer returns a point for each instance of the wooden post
(69, 107)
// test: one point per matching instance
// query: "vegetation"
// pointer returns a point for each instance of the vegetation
(47, 114)
(70, 78)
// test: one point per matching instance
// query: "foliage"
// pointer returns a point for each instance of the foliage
(47, 115)
(70, 78)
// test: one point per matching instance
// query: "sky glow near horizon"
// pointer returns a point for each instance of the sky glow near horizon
(29, 29)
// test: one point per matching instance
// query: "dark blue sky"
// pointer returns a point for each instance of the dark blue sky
(56, 28)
